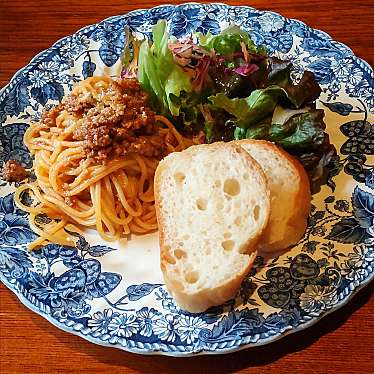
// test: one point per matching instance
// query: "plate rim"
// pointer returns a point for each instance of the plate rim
(177, 353)
(83, 28)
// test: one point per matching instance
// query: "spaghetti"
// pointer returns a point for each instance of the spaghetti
(95, 156)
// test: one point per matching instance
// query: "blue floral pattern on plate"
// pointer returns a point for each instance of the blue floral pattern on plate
(95, 291)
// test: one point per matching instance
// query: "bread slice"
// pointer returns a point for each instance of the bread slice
(212, 205)
(290, 196)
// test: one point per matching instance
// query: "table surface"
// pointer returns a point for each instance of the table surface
(342, 342)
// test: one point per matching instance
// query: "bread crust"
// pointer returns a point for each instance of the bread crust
(199, 302)
(298, 220)
(208, 297)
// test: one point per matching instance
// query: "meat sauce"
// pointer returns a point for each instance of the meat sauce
(13, 172)
(116, 123)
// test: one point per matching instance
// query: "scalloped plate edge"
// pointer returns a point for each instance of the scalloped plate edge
(271, 339)
(55, 44)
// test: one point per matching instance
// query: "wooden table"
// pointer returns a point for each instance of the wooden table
(340, 343)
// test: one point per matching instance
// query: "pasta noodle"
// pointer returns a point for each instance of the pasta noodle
(75, 189)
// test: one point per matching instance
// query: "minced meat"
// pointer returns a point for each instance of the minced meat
(49, 117)
(13, 171)
(120, 121)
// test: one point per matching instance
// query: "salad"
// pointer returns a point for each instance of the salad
(224, 87)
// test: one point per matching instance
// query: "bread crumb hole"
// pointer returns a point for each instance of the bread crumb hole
(201, 204)
(228, 245)
(181, 244)
(217, 183)
(207, 251)
(192, 277)
(179, 178)
(245, 176)
(227, 235)
(186, 237)
(238, 221)
(231, 187)
(256, 212)
(170, 259)
(178, 253)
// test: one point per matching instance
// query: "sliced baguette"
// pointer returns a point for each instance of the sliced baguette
(290, 196)
(212, 205)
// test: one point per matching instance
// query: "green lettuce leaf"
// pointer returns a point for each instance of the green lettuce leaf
(209, 131)
(159, 75)
(228, 41)
(301, 131)
(303, 136)
(252, 109)
(259, 131)
(175, 84)
(189, 109)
